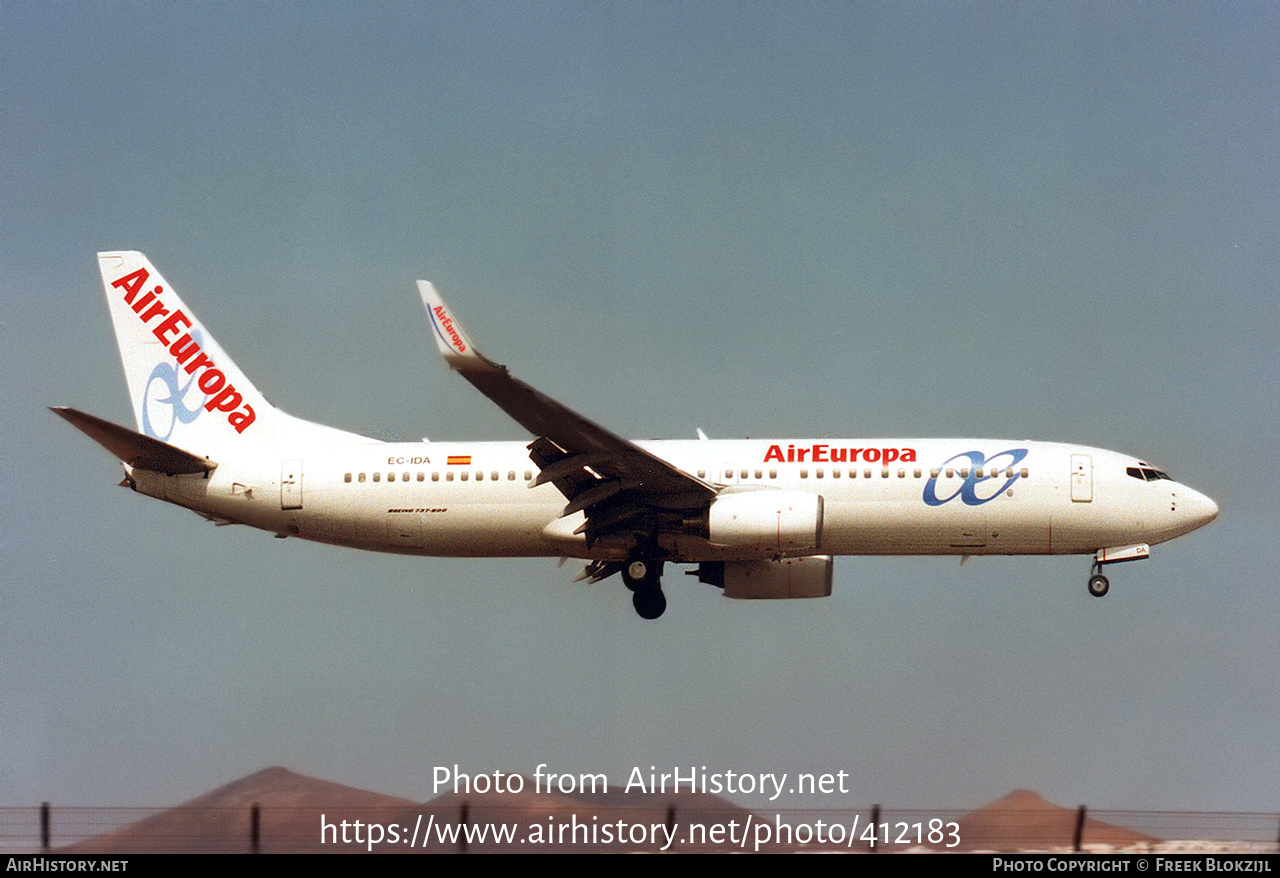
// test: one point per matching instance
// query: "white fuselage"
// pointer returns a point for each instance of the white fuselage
(879, 496)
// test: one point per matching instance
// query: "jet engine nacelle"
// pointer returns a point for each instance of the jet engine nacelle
(781, 521)
(770, 580)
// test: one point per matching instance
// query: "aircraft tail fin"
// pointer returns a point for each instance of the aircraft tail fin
(186, 391)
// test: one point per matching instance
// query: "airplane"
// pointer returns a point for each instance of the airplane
(756, 518)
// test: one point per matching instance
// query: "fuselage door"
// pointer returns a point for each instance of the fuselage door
(1081, 478)
(291, 484)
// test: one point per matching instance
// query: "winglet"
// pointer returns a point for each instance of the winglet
(450, 336)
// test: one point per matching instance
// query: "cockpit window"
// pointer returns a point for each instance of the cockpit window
(1147, 473)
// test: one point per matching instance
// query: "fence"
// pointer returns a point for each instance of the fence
(487, 827)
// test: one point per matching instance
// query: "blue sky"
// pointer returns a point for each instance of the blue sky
(885, 219)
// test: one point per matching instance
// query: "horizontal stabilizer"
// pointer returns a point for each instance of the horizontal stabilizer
(135, 449)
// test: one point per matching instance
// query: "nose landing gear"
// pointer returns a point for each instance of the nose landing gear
(1099, 585)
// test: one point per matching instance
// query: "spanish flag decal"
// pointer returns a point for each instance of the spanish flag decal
(459, 460)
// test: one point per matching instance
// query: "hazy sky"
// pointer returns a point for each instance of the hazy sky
(1050, 221)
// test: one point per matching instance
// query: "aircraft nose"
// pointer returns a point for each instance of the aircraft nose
(1202, 509)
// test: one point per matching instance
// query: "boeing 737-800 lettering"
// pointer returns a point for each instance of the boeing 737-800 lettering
(757, 518)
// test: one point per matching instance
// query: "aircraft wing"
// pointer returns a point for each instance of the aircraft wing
(620, 487)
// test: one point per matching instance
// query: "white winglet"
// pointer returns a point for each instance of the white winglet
(450, 337)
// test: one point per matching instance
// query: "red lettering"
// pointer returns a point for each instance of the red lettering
(821, 453)
(131, 283)
(226, 401)
(212, 380)
(447, 325)
(200, 360)
(155, 310)
(169, 325)
(183, 347)
(241, 420)
(142, 303)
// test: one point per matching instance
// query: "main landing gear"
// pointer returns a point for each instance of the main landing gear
(1099, 585)
(643, 575)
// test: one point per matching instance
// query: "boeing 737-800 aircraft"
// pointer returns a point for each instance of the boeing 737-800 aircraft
(758, 518)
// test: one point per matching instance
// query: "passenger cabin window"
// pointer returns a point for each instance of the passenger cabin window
(377, 477)
(361, 477)
(435, 477)
(422, 477)
(347, 477)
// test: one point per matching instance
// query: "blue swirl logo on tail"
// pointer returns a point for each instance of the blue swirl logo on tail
(170, 410)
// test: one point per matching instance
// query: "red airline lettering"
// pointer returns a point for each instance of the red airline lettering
(823, 453)
(222, 394)
(447, 325)
(169, 325)
(131, 283)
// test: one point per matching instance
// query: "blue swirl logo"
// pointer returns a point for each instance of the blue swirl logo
(974, 490)
(170, 410)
